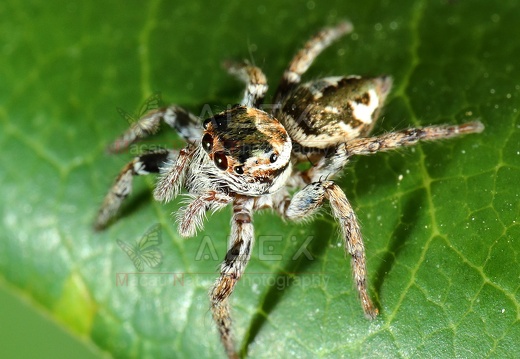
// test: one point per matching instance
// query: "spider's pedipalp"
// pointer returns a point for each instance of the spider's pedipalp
(191, 216)
(253, 77)
(147, 163)
(172, 178)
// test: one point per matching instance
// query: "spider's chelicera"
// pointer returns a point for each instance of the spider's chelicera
(247, 158)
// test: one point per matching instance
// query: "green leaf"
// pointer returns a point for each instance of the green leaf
(439, 220)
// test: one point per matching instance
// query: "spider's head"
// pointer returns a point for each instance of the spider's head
(249, 149)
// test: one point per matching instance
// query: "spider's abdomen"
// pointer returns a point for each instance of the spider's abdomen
(322, 113)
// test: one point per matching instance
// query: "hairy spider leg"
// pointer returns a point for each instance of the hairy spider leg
(185, 123)
(237, 257)
(409, 137)
(336, 158)
(307, 201)
(253, 77)
(306, 56)
(147, 163)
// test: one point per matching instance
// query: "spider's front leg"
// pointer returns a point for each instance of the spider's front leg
(237, 257)
(187, 125)
(308, 200)
(144, 164)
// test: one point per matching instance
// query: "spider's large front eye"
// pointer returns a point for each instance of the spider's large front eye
(207, 142)
(273, 158)
(220, 160)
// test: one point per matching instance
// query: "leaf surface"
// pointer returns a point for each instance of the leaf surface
(439, 220)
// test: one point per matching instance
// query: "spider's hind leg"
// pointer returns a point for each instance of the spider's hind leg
(337, 157)
(253, 77)
(144, 164)
(305, 57)
(409, 137)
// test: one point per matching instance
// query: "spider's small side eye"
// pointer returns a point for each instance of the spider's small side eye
(239, 170)
(220, 160)
(273, 158)
(206, 123)
(207, 142)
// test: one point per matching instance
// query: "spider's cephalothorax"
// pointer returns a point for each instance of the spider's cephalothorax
(248, 150)
(248, 158)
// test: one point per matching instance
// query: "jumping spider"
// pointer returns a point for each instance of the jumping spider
(248, 158)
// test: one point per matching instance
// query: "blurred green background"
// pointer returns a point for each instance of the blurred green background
(29, 333)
